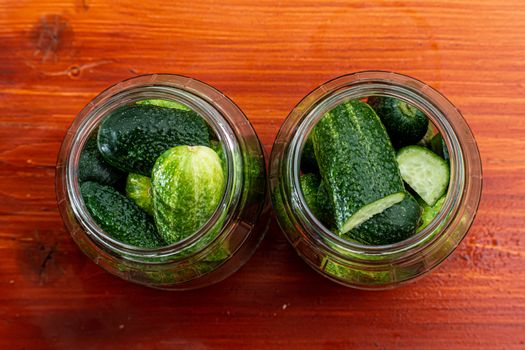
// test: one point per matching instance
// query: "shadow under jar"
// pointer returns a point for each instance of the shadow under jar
(374, 266)
(234, 230)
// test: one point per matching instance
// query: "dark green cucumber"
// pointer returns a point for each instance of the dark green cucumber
(138, 189)
(188, 183)
(393, 225)
(430, 212)
(119, 217)
(439, 147)
(357, 163)
(310, 187)
(93, 167)
(424, 171)
(406, 124)
(308, 162)
(133, 137)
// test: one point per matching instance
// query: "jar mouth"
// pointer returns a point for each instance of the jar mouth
(380, 83)
(198, 96)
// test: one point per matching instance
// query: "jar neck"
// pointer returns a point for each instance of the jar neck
(357, 86)
(173, 88)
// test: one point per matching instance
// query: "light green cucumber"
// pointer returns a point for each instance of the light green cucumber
(424, 171)
(138, 189)
(187, 184)
(164, 103)
(430, 212)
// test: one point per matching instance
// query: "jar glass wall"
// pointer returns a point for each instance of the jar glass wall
(233, 232)
(348, 262)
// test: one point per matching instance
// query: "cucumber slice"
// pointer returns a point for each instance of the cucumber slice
(371, 209)
(424, 171)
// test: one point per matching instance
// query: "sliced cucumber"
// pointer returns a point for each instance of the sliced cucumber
(372, 209)
(424, 171)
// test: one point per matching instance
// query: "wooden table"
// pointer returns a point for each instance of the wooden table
(57, 55)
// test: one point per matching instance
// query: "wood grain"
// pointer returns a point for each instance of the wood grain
(265, 55)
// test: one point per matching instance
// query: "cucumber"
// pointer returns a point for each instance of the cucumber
(424, 171)
(93, 167)
(430, 212)
(325, 211)
(438, 146)
(164, 103)
(308, 162)
(393, 225)
(119, 217)
(405, 123)
(310, 186)
(133, 137)
(218, 148)
(357, 163)
(429, 135)
(138, 189)
(187, 184)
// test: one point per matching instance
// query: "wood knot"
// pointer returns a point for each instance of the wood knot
(51, 35)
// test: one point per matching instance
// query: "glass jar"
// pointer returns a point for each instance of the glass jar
(231, 235)
(363, 266)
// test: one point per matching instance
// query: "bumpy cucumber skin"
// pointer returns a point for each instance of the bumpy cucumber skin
(138, 189)
(393, 225)
(356, 159)
(308, 161)
(310, 187)
(188, 183)
(119, 217)
(406, 125)
(133, 137)
(93, 167)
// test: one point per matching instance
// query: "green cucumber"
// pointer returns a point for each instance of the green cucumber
(308, 162)
(310, 186)
(430, 212)
(138, 189)
(424, 171)
(218, 148)
(393, 225)
(132, 137)
(119, 216)
(325, 211)
(429, 135)
(357, 163)
(93, 167)
(438, 146)
(164, 103)
(188, 183)
(405, 123)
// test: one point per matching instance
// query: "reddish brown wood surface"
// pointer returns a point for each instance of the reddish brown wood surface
(265, 55)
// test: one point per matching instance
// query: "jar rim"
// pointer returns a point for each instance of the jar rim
(440, 111)
(208, 102)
